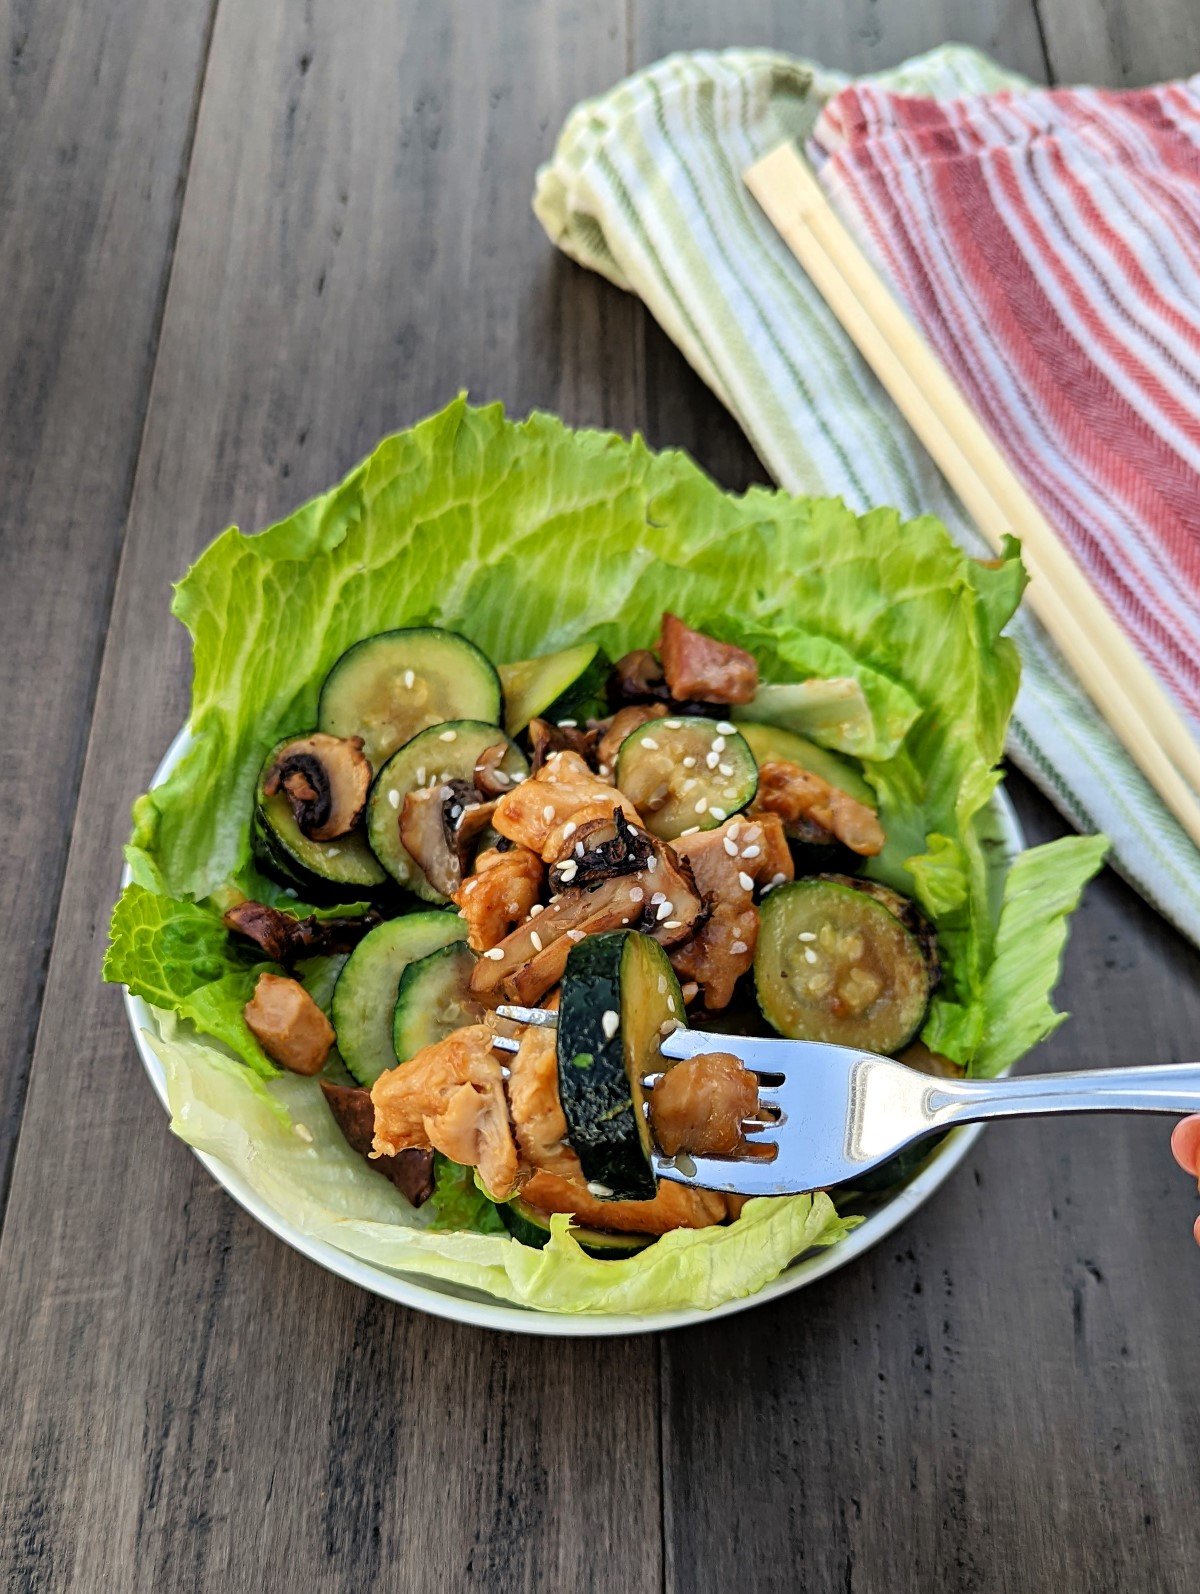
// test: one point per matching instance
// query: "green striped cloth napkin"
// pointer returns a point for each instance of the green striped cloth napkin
(645, 188)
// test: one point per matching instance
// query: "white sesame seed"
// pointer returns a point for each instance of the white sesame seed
(495, 953)
(656, 899)
(569, 829)
(744, 880)
(579, 849)
(673, 924)
(394, 797)
(568, 725)
(636, 893)
(421, 775)
(809, 955)
(779, 878)
(662, 984)
(806, 935)
(711, 760)
(737, 947)
(290, 891)
(672, 725)
(701, 805)
(670, 1004)
(725, 728)
(448, 736)
(536, 940)
(648, 741)
(604, 769)
(610, 1022)
(574, 935)
(652, 862)
(733, 829)
(665, 910)
(333, 852)
(725, 769)
(548, 812)
(303, 1132)
(569, 870)
(730, 846)
(538, 907)
(455, 810)
(718, 743)
(689, 762)
(692, 830)
(505, 1073)
(471, 884)
(410, 679)
(688, 785)
(717, 813)
(600, 1191)
(752, 851)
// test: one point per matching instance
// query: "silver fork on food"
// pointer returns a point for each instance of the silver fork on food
(830, 1114)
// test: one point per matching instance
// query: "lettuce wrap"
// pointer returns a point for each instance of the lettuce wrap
(528, 537)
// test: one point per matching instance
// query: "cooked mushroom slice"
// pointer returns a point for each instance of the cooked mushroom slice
(637, 678)
(491, 779)
(325, 780)
(545, 738)
(437, 826)
(410, 1171)
(285, 938)
(288, 1024)
(598, 848)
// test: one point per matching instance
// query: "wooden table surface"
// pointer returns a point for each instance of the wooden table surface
(239, 243)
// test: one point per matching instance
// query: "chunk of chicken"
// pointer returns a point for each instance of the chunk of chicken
(288, 1024)
(538, 1119)
(533, 810)
(699, 1105)
(794, 794)
(450, 1096)
(699, 667)
(728, 864)
(675, 1206)
(499, 895)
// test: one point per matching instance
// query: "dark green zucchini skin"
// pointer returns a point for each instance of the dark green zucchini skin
(532, 1227)
(599, 1074)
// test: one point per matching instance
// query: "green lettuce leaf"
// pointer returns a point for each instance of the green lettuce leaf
(528, 538)
(179, 957)
(458, 1202)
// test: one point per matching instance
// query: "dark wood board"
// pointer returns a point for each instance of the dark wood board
(97, 109)
(1003, 1397)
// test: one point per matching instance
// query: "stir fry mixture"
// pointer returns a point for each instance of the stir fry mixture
(635, 846)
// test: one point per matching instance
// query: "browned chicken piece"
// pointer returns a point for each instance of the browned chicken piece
(288, 1024)
(794, 794)
(504, 887)
(728, 864)
(450, 1097)
(410, 1171)
(284, 937)
(622, 724)
(538, 1119)
(699, 1105)
(612, 875)
(674, 1206)
(533, 810)
(701, 668)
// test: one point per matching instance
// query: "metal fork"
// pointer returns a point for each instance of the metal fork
(844, 1112)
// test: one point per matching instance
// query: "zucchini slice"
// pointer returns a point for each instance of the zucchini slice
(531, 1226)
(835, 964)
(344, 870)
(434, 999)
(768, 742)
(364, 998)
(836, 709)
(554, 686)
(686, 773)
(440, 753)
(388, 687)
(619, 997)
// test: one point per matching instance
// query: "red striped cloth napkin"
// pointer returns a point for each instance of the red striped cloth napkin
(1048, 245)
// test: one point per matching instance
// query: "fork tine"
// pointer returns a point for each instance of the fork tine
(528, 1015)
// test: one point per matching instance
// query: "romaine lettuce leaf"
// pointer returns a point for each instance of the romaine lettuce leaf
(528, 538)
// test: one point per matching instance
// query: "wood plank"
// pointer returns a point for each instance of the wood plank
(97, 110)
(1118, 43)
(1004, 1396)
(189, 1404)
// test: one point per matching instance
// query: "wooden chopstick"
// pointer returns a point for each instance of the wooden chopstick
(1106, 663)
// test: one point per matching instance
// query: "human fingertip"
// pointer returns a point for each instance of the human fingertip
(1185, 1144)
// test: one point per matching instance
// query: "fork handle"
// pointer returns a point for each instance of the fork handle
(1164, 1088)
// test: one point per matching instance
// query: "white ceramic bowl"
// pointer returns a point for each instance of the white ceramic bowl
(468, 1307)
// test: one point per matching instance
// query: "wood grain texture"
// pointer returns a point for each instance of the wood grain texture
(97, 108)
(189, 1404)
(1120, 45)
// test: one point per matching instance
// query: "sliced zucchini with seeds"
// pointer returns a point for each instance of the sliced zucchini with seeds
(619, 997)
(686, 773)
(531, 1226)
(434, 999)
(554, 686)
(343, 870)
(388, 687)
(435, 756)
(364, 998)
(835, 964)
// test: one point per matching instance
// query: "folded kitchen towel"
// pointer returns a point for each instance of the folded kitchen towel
(1075, 326)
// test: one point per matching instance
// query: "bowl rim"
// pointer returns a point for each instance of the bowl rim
(481, 1313)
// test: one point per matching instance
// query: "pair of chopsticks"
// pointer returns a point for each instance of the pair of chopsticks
(1106, 664)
